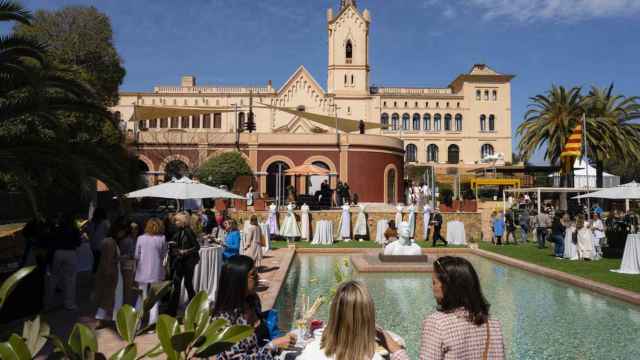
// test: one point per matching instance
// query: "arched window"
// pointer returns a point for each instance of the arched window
(349, 52)
(483, 122)
(492, 123)
(426, 119)
(241, 121)
(142, 124)
(437, 122)
(395, 118)
(411, 153)
(453, 154)
(276, 178)
(314, 183)
(384, 121)
(447, 122)
(486, 150)
(175, 169)
(458, 122)
(405, 121)
(478, 95)
(432, 153)
(391, 186)
(494, 95)
(416, 122)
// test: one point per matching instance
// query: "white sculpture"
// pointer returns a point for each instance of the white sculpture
(290, 226)
(412, 221)
(344, 230)
(304, 222)
(399, 209)
(360, 230)
(272, 220)
(404, 245)
(426, 221)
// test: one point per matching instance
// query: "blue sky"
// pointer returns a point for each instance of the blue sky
(412, 42)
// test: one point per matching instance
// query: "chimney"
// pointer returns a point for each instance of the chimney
(270, 85)
(188, 81)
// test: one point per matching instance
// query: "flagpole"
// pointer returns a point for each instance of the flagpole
(585, 157)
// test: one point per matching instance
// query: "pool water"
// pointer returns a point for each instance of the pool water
(541, 318)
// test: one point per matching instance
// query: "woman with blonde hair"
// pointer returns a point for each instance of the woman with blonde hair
(252, 243)
(351, 331)
(184, 255)
(584, 239)
(151, 249)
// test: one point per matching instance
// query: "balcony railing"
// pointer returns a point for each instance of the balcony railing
(213, 90)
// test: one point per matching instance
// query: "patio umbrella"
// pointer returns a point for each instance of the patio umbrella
(183, 189)
(629, 191)
(307, 169)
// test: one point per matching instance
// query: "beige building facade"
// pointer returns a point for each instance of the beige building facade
(464, 122)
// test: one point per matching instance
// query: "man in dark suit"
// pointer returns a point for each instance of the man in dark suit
(437, 225)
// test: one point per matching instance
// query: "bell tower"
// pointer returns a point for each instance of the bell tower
(348, 65)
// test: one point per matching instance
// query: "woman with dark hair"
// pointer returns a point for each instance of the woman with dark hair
(557, 235)
(239, 304)
(461, 327)
(64, 265)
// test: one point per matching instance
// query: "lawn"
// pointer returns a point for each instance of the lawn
(593, 270)
(347, 245)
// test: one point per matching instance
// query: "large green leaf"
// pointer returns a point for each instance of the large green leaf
(6, 351)
(236, 333)
(11, 283)
(180, 342)
(128, 352)
(219, 339)
(35, 333)
(20, 347)
(127, 322)
(165, 329)
(156, 292)
(197, 313)
(153, 352)
(81, 340)
(59, 346)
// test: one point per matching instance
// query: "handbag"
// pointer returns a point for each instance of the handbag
(485, 354)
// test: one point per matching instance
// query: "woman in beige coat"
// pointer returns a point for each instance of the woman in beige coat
(585, 239)
(252, 244)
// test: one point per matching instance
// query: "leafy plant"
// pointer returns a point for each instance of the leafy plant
(224, 169)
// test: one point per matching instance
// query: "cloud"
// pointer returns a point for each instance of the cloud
(555, 10)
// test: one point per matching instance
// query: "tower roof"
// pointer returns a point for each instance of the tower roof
(345, 3)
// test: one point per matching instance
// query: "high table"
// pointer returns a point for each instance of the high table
(207, 272)
(631, 257)
(455, 233)
(381, 227)
(324, 233)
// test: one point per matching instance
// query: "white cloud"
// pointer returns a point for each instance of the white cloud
(556, 10)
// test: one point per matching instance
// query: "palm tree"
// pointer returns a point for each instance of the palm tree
(549, 121)
(610, 131)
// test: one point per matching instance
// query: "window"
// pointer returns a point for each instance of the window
(206, 121)
(483, 122)
(185, 102)
(195, 123)
(426, 119)
(241, 121)
(411, 153)
(432, 153)
(184, 122)
(486, 150)
(453, 154)
(384, 104)
(153, 123)
(447, 122)
(416, 104)
(395, 118)
(395, 104)
(348, 109)
(174, 122)
(426, 104)
(447, 105)
(416, 122)
(348, 52)
(164, 123)
(494, 95)
(406, 104)
(384, 121)
(492, 123)
(217, 120)
(345, 79)
(437, 104)
(391, 186)
(437, 122)
(458, 122)
(458, 105)
(486, 95)
(478, 95)
(142, 124)
(405, 121)
(351, 79)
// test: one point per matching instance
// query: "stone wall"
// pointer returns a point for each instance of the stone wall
(472, 223)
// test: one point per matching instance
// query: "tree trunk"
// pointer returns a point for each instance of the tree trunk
(599, 173)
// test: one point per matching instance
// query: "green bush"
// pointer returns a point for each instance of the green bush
(224, 169)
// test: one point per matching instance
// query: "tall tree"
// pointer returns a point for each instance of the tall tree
(610, 130)
(81, 38)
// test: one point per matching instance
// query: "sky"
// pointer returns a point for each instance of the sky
(412, 42)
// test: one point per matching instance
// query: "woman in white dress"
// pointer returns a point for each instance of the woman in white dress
(344, 227)
(290, 228)
(598, 234)
(304, 222)
(273, 220)
(585, 239)
(570, 248)
(360, 231)
(412, 221)
(398, 218)
(426, 218)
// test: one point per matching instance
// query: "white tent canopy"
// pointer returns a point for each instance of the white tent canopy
(584, 175)
(629, 191)
(183, 189)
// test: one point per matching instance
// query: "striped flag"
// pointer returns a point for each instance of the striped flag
(572, 149)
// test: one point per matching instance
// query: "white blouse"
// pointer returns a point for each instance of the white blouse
(313, 352)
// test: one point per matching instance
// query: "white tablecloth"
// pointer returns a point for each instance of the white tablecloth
(207, 272)
(264, 229)
(324, 233)
(570, 249)
(631, 257)
(85, 257)
(455, 233)
(381, 227)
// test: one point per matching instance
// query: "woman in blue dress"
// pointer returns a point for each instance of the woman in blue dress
(498, 227)
(232, 241)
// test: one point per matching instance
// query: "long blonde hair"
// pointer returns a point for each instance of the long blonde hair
(351, 331)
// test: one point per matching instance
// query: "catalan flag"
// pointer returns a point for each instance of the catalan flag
(572, 149)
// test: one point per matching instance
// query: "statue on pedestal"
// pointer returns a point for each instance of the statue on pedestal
(404, 245)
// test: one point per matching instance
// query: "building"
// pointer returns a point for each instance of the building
(458, 124)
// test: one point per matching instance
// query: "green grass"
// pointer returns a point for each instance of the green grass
(593, 270)
(347, 245)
